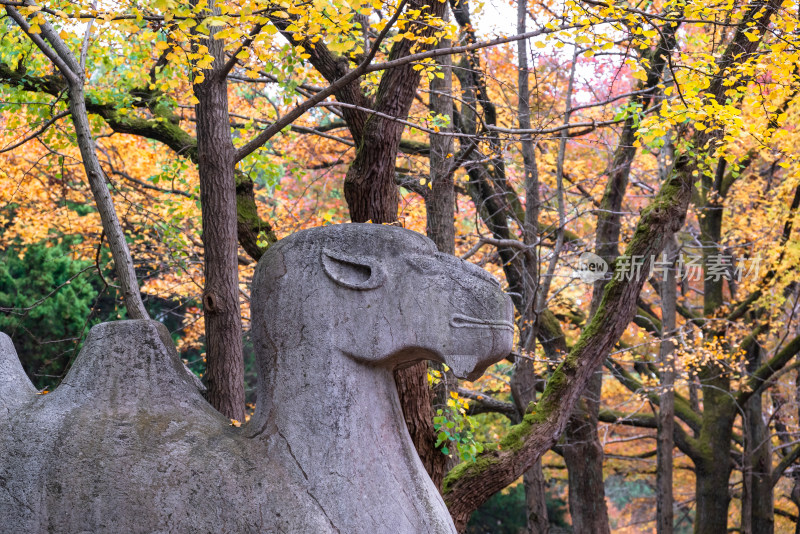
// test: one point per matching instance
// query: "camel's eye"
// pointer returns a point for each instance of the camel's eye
(353, 272)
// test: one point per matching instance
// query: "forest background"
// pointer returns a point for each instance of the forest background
(520, 137)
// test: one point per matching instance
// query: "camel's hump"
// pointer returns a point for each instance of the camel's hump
(129, 361)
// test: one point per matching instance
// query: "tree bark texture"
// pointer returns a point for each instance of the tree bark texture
(583, 455)
(523, 391)
(369, 185)
(666, 412)
(123, 262)
(713, 465)
(440, 201)
(417, 401)
(535, 492)
(216, 162)
(757, 497)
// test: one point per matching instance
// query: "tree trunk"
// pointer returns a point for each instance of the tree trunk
(536, 504)
(713, 465)
(523, 391)
(216, 164)
(666, 412)
(123, 263)
(50, 42)
(416, 400)
(440, 201)
(524, 376)
(712, 504)
(369, 185)
(583, 454)
(757, 499)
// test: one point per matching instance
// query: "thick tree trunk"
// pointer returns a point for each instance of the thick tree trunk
(369, 185)
(216, 163)
(666, 412)
(713, 465)
(416, 400)
(712, 505)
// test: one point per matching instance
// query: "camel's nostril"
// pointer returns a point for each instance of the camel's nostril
(459, 320)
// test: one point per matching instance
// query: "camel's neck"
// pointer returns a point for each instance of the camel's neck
(342, 424)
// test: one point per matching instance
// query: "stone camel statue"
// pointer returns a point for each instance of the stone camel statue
(127, 443)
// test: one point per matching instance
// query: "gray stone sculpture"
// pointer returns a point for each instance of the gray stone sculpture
(127, 443)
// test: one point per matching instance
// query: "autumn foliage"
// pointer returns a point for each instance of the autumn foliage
(625, 100)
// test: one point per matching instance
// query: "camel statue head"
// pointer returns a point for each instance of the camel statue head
(381, 295)
(127, 443)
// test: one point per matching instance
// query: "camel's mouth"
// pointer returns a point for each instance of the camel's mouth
(459, 320)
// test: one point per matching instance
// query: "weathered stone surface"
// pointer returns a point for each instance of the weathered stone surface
(127, 443)
(15, 387)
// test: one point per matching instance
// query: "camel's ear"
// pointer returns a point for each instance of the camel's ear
(353, 272)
